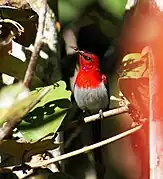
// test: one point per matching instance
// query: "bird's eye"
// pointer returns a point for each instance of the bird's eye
(87, 58)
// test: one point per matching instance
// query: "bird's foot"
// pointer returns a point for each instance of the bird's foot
(101, 116)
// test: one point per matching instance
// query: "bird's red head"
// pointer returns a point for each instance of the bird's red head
(87, 60)
(89, 75)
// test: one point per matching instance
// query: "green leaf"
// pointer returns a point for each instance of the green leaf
(135, 65)
(24, 151)
(19, 105)
(46, 117)
(70, 10)
(10, 95)
(114, 7)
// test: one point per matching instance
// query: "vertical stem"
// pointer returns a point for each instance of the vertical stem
(37, 46)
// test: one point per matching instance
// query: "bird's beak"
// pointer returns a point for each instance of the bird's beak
(77, 50)
(81, 53)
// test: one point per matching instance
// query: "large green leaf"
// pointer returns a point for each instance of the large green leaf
(10, 98)
(46, 117)
(12, 94)
(16, 103)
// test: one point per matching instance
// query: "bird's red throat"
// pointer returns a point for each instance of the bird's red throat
(88, 79)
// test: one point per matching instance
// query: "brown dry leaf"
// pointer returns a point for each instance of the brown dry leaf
(137, 93)
(24, 151)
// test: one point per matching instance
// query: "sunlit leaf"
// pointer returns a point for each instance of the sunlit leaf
(20, 103)
(47, 115)
(135, 65)
(11, 94)
(134, 80)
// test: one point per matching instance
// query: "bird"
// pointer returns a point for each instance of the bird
(91, 93)
(90, 88)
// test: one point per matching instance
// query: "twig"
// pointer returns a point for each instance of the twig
(82, 150)
(95, 117)
(106, 114)
(86, 149)
(37, 46)
(112, 112)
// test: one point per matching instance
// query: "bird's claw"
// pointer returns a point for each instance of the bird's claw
(101, 116)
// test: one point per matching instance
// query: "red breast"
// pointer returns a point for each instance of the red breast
(89, 79)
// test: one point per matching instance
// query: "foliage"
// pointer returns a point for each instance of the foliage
(135, 65)
(24, 151)
(134, 80)
(70, 10)
(35, 115)
(47, 115)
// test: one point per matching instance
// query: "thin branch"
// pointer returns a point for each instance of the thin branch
(37, 46)
(86, 149)
(82, 150)
(111, 112)
(95, 117)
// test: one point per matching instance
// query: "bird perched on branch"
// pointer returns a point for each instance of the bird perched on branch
(90, 87)
(91, 93)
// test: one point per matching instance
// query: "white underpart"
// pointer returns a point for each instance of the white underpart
(91, 99)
